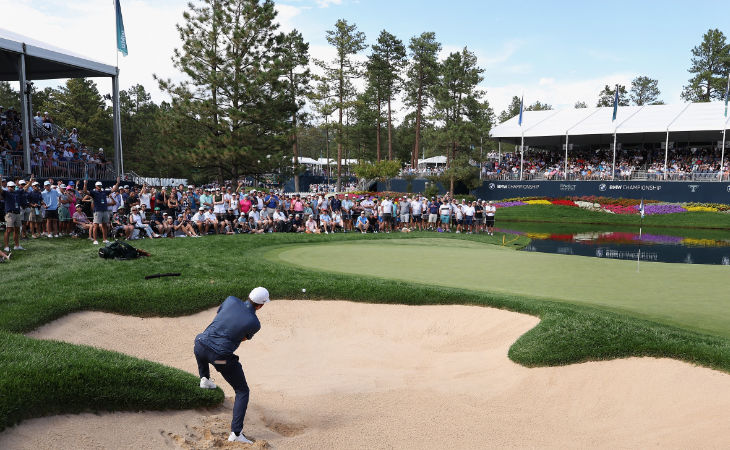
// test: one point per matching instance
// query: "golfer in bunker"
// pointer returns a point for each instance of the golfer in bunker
(234, 323)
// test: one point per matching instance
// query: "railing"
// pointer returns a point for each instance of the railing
(637, 175)
(45, 130)
(13, 167)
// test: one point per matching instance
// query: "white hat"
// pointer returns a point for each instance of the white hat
(259, 295)
(101, 149)
(11, 184)
(98, 183)
(35, 183)
(21, 182)
(46, 183)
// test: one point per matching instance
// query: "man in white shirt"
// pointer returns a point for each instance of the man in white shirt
(211, 219)
(199, 221)
(387, 211)
(468, 210)
(311, 226)
(489, 212)
(417, 211)
(325, 221)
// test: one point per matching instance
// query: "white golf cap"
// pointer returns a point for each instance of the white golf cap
(12, 184)
(46, 183)
(259, 295)
(35, 183)
(21, 182)
(98, 183)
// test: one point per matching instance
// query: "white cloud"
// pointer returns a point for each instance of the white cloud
(560, 93)
(326, 3)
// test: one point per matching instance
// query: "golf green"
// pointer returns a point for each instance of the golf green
(689, 296)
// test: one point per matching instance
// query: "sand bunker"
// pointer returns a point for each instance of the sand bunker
(349, 375)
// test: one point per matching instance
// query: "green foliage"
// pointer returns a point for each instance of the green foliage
(432, 189)
(580, 105)
(380, 170)
(9, 97)
(645, 91)
(235, 100)
(512, 110)
(538, 106)
(710, 66)
(606, 96)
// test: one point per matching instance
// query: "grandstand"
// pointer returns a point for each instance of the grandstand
(24, 59)
(684, 142)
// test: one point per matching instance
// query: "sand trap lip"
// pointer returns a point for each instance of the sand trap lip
(332, 374)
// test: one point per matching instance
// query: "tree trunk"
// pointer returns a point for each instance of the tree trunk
(390, 134)
(450, 161)
(414, 156)
(339, 130)
(377, 133)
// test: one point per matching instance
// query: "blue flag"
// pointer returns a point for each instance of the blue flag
(121, 37)
(522, 101)
(615, 104)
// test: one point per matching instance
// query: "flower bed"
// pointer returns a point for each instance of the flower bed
(508, 204)
(668, 208)
(563, 202)
(619, 209)
(538, 202)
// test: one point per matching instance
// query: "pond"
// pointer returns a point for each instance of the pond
(668, 245)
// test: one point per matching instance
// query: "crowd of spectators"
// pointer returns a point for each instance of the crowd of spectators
(55, 209)
(60, 154)
(682, 164)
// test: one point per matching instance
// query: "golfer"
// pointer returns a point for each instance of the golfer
(234, 323)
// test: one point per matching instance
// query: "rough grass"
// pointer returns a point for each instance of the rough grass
(54, 278)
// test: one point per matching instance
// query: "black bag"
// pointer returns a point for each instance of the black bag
(118, 250)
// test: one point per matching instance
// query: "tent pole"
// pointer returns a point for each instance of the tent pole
(25, 132)
(522, 153)
(566, 156)
(666, 155)
(499, 149)
(722, 154)
(613, 166)
(116, 127)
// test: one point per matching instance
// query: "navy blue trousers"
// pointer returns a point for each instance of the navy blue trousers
(230, 368)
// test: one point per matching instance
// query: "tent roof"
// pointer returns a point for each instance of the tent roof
(433, 160)
(698, 122)
(44, 61)
(305, 160)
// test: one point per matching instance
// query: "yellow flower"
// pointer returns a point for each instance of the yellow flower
(701, 209)
(538, 202)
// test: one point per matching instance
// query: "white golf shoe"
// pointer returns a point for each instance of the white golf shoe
(239, 438)
(206, 383)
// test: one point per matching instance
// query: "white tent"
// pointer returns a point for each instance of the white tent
(698, 122)
(307, 161)
(333, 162)
(689, 122)
(433, 160)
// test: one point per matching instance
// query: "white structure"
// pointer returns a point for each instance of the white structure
(23, 58)
(690, 122)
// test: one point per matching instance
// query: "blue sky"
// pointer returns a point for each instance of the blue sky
(556, 52)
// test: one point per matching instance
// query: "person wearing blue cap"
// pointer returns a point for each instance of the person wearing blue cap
(234, 323)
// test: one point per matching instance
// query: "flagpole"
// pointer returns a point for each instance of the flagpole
(613, 167)
(722, 153)
(522, 152)
(566, 156)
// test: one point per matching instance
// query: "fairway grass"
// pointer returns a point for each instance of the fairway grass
(687, 296)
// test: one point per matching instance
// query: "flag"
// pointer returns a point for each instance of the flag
(615, 104)
(522, 101)
(641, 208)
(727, 93)
(121, 37)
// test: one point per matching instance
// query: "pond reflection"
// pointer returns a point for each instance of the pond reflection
(652, 245)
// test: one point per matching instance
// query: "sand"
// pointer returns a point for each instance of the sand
(347, 375)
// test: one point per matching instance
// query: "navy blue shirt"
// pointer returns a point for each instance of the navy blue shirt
(12, 200)
(236, 320)
(35, 197)
(99, 200)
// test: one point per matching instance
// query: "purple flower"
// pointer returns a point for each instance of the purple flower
(661, 239)
(508, 204)
(652, 209)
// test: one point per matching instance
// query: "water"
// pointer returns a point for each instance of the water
(678, 246)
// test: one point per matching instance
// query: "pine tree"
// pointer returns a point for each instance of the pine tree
(234, 99)
(710, 64)
(390, 54)
(347, 41)
(423, 70)
(297, 76)
(606, 96)
(645, 91)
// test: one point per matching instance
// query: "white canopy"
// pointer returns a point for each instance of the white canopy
(697, 122)
(433, 160)
(345, 162)
(305, 160)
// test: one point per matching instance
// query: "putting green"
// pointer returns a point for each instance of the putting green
(689, 296)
